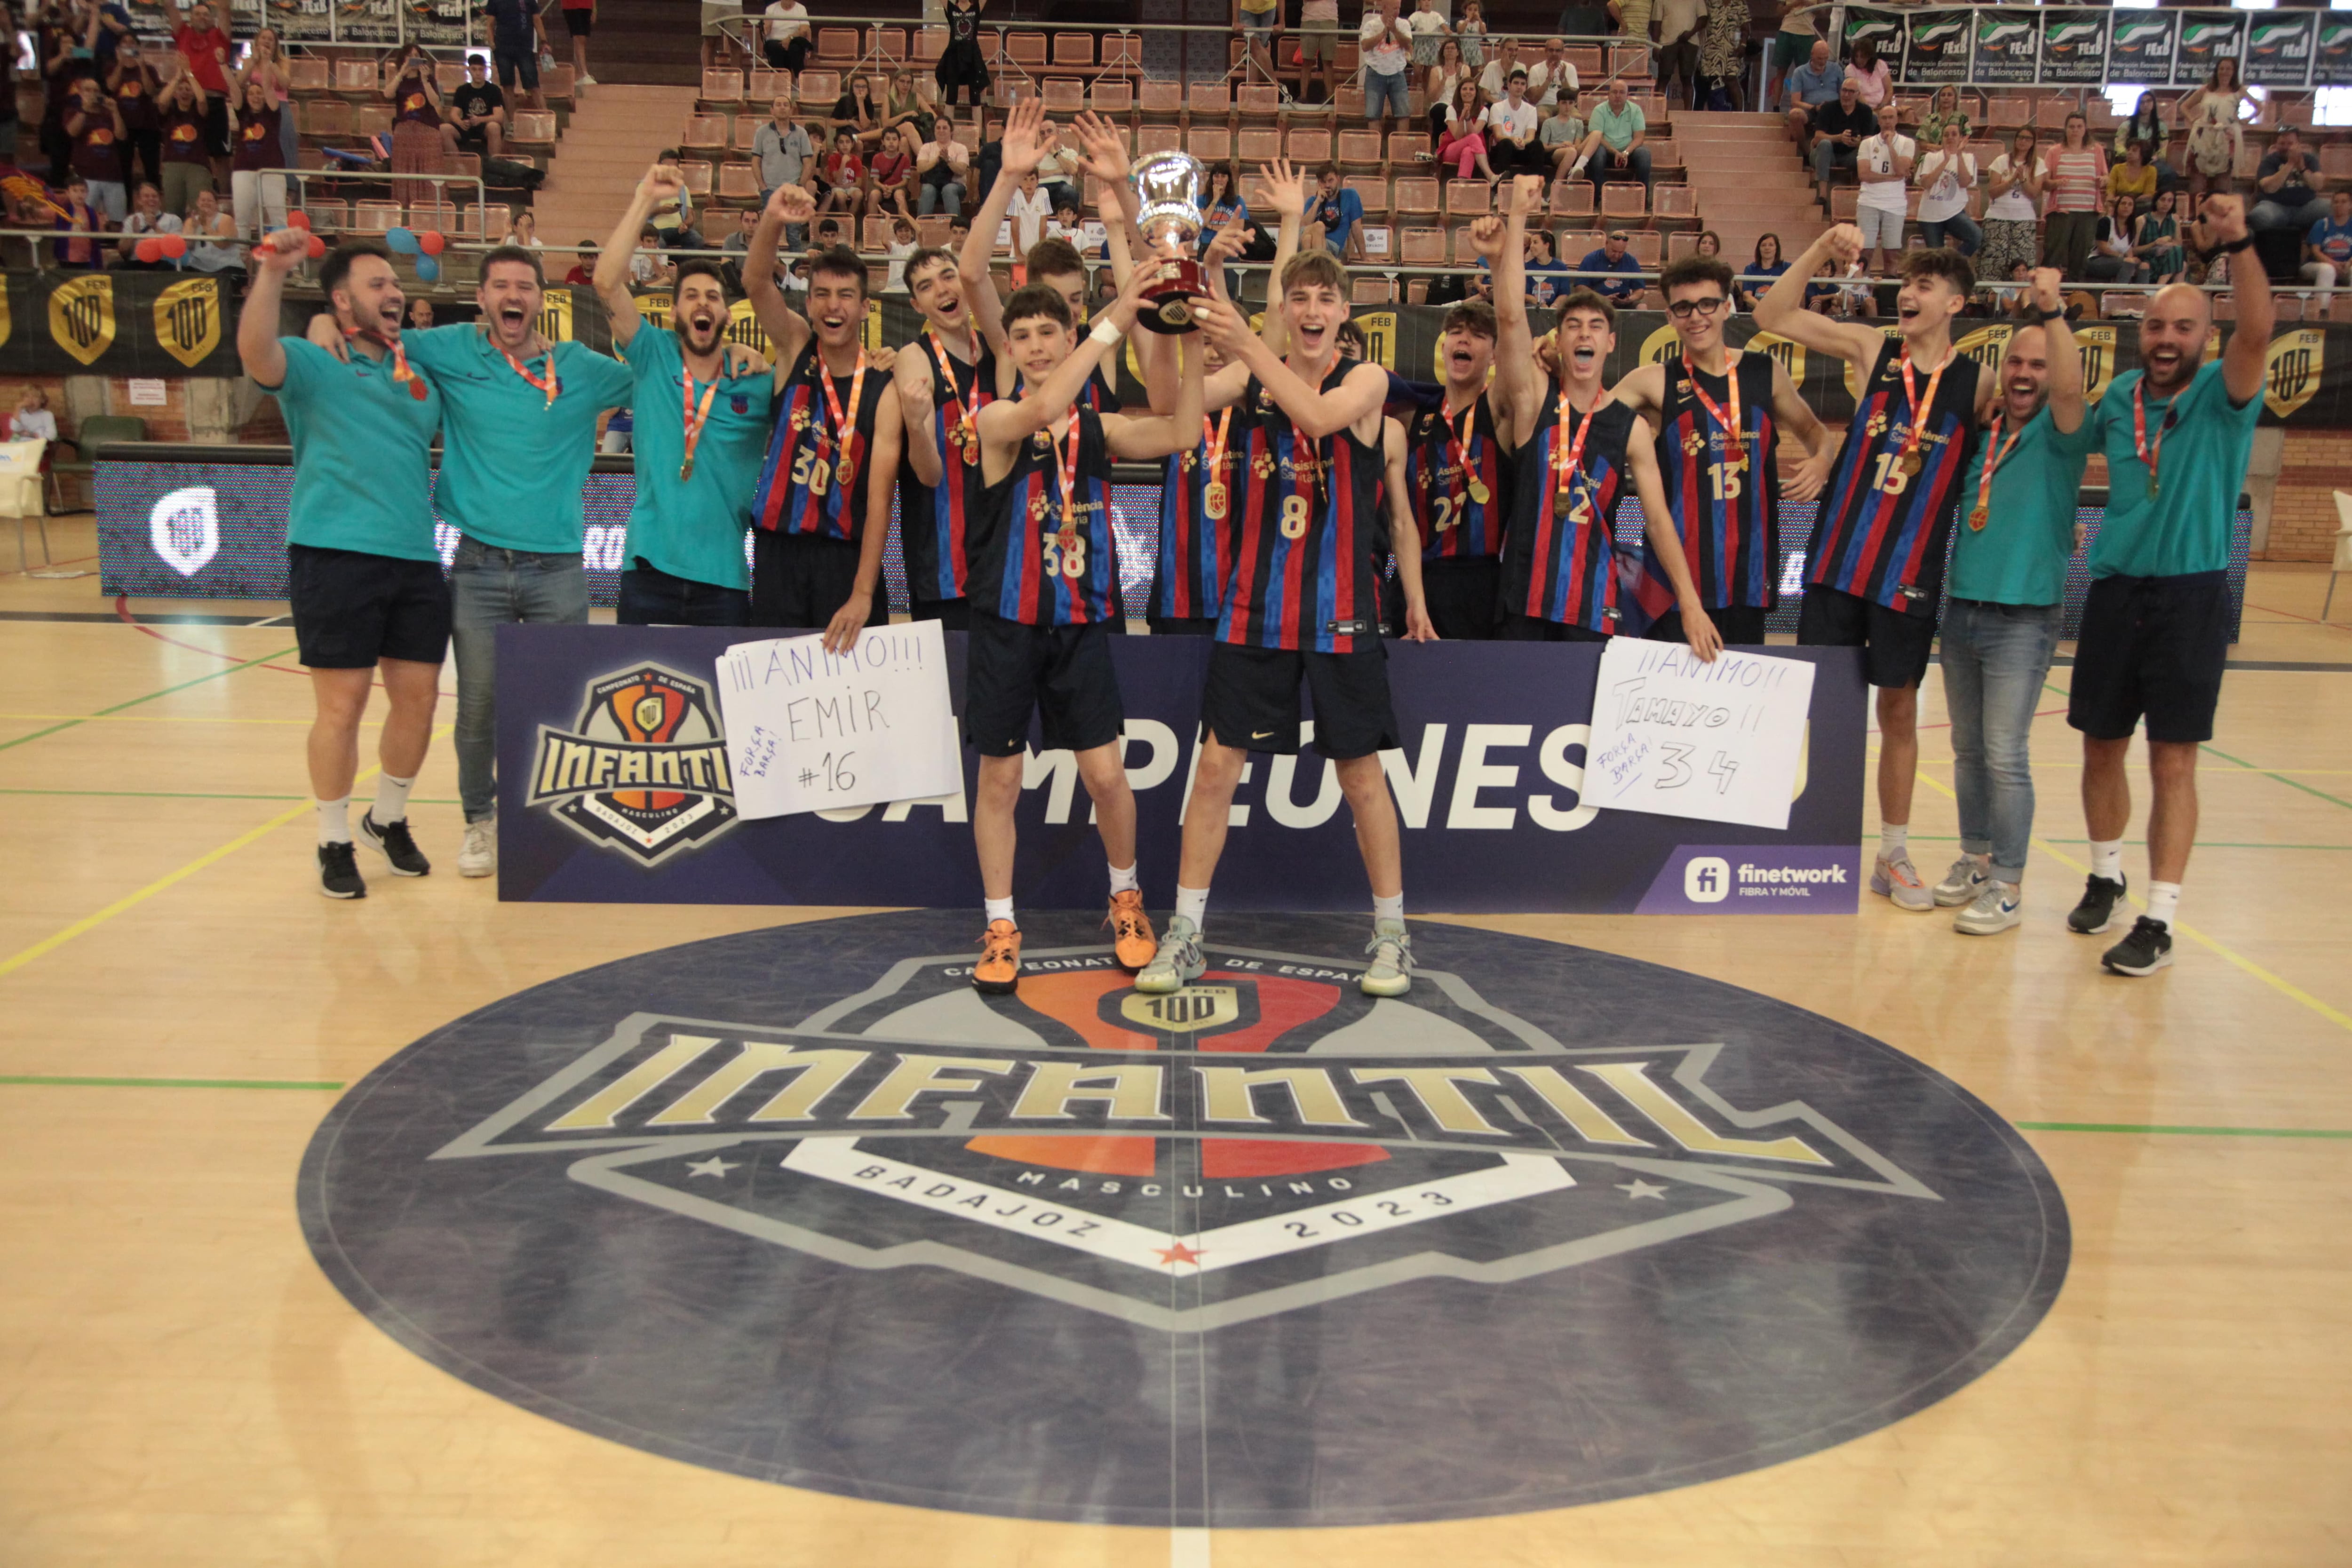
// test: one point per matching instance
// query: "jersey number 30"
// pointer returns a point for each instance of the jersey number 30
(811, 470)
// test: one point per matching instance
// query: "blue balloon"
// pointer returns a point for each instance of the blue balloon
(428, 268)
(400, 241)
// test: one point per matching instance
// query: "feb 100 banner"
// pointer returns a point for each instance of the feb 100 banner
(613, 786)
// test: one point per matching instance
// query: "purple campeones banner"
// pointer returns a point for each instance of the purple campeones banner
(613, 787)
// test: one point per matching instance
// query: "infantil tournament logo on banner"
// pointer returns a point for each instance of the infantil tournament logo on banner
(645, 771)
(803, 1206)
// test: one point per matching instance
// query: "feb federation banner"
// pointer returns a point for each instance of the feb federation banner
(613, 787)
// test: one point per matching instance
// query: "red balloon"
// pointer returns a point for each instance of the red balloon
(173, 245)
(298, 220)
(432, 242)
(317, 247)
(148, 250)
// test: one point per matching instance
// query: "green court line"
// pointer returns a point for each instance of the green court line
(2291, 783)
(190, 794)
(151, 697)
(47, 1081)
(2183, 1131)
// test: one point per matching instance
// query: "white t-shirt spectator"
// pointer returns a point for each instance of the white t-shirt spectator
(900, 250)
(33, 425)
(1882, 190)
(1517, 124)
(1029, 214)
(1945, 182)
(1385, 56)
(2013, 205)
(787, 21)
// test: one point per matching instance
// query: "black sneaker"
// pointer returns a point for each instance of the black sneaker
(2145, 950)
(2096, 912)
(339, 873)
(393, 841)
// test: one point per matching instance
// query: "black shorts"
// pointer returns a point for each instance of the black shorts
(520, 66)
(216, 125)
(1252, 699)
(1895, 645)
(579, 20)
(1463, 594)
(798, 579)
(1534, 628)
(1183, 625)
(1739, 625)
(351, 608)
(2152, 646)
(953, 614)
(1062, 673)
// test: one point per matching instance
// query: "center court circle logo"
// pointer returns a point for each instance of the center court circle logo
(1558, 1226)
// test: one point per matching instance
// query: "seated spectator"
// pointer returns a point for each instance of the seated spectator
(2288, 185)
(1220, 199)
(1809, 87)
(1945, 109)
(474, 119)
(647, 265)
(1059, 171)
(78, 218)
(1839, 131)
(1464, 144)
(1613, 258)
(1547, 277)
(1768, 264)
(2113, 259)
(843, 180)
(583, 267)
(1513, 145)
(1614, 141)
(943, 164)
(673, 218)
(523, 230)
(1027, 212)
(2327, 248)
(1067, 226)
(787, 45)
(1869, 75)
(420, 315)
(2132, 177)
(1335, 216)
(147, 217)
(1562, 134)
(893, 175)
(2146, 126)
(33, 421)
(2157, 240)
(211, 238)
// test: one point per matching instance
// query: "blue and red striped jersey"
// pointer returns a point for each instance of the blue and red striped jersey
(1728, 514)
(935, 523)
(802, 488)
(1881, 532)
(1454, 524)
(1308, 542)
(1196, 551)
(1021, 569)
(1560, 562)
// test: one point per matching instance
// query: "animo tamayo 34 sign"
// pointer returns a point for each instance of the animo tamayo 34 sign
(1720, 741)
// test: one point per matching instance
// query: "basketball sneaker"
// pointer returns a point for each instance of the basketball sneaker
(393, 842)
(998, 972)
(1178, 962)
(479, 857)
(2096, 912)
(2145, 949)
(1896, 879)
(1961, 884)
(1390, 974)
(1997, 908)
(338, 872)
(1130, 931)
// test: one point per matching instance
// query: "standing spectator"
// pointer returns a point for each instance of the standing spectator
(1512, 145)
(267, 60)
(95, 124)
(518, 35)
(1869, 75)
(1471, 33)
(1768, 264)
(1809, 89)
(258, 199)
(1791, 47)
(1677, 27)
(2209, 115)
(2290, 183)
(478, 114)
(1429, 29)
(782, 148)
(1619, 129)
(2327, 248)
(1440, 87)
(1947, 175)
(2112, 258)
(2133, 178)
(1600, 265)
(1723, 55)
(2159, 240)
(961, 67)
(2013, 234)
(1262, 26)
(1464, 145)
(901, 246)
(1335, 216)
(580, 21)
(944, 167)
(1318, 42)
(1561, 135)
(1386, 48)
(132, 83)
(207, 51)
(1884, 163)
(147, 218)
(78, 219)
(2076, 178)
(787, 44)
(187, 169)
(416, 123)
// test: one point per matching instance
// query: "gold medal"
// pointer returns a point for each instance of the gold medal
(1911, 463)
(1478, 491)
(1212, 499)
(1977, 519)
(845, 470)
(1561, 500)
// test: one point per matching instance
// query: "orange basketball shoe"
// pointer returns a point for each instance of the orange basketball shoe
(1132, 942)
(998, 971)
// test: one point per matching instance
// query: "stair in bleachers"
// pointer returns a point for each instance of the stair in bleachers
(612, 139)
(1747, 177)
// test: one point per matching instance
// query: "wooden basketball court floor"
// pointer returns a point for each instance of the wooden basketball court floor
(178, 1006)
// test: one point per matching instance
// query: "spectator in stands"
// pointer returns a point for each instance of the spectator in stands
(475, 114)
(910, 107)
(580, 21)
(187, 169)
(2076, 178)
(1613, 258)
(2133, 178)
(1262, 26)
(1884, 162)
(407, 74)
(1709, 244)
(1838, 130)
(212, 237)
(1335, 217)
(787, 44)
(1869, 75)
(1947, 173)
(2289, 181)
(1594, 22)
(1429, 28)
(1513, 142)
(1809, 88)
(944, 167)
(844, 174)
(1562, 134)
(718, 44)
(8, 112)
(737, 246)
(1470, 33)
(131, 81)
(113, 30)
(523, 230)
(266, 59)
(1791, 47)
(33, 421)
(961, 67)
(95, 124)
(2209, 115)
(1221, 198)
(1767, 265)
(518, 36)
(258, 199)
(1619, 129)
(1465, 142)
(783, 150)
(2013, 185)
(1067, 226)
(1319, 43)
(2145, 126)
(892, 175)
(674, 219)
(1441, 87)
(2112, 259)
(857, 109)
(1722, 57)
(1027, 212)
(1059, 169)
(582, 274)
(959, 231)
(2328, 247)
(147, 217)
(902, 246)
(2157, 241)
(61, 46)
(207, 51)
(1676, 56)
(420, 314)
(1943, 109)
(1547, 277)
(1385, 47)
(647, 265)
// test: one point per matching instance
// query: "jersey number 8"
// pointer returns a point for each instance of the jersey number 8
(811, 470)
(1294, 517)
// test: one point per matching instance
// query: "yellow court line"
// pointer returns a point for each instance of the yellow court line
(90, 922)
(2284, 987)
(165, 719)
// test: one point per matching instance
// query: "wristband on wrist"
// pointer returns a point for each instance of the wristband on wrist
(1106, 332)
(2235, 245)
(2046, 316)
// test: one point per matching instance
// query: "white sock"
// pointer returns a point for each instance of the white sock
(1192, 904)
(1894, 838)
(1123, 881)
(335, 821)
(2108, 858)
(391, 799)
(1579, 169)
(1388, 909)
(999, 909)
(2164, 901)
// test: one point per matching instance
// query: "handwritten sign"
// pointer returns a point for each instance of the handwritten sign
(810, 731)
(1719, 741)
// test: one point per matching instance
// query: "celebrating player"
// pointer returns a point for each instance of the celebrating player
(944, 379)
(1044, 590)
(363, 578)
(1717, 413)
(1874, 569)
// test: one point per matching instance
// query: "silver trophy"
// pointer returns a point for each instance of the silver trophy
(1168, 185)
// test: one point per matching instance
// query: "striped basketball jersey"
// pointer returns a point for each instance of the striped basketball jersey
(1021, 569)
(936, 523)
(1308, 542)
(1455, 525)
(1881, 531)
(1196, 551)
(813, 482)
(1100, 394)
(1727, 514)
(1560, 562)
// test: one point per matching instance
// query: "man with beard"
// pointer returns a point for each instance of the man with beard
(943, 378)
(518, 440)
(822, 511)
(1875, 568)
(699, 431)
(1045, 584)
(2155, 628)
(1575, 450)
(1718, 414)
(2009, 587)
(363, 578)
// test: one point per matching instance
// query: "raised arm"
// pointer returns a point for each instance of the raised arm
(1009, 420)
(258, 348)
(1515, 348)
(1023, 147)
(612, 276)
(1224, 389)
(2246, 359)
(1142, 439)
(1666, 542)
(1315, 412)
(2067, 405)
(1286, 188)
(785, 327)
(1782, 311)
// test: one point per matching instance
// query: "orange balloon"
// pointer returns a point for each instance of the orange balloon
(148, 250)
(173, 245)
(317, 247)
(431, 243)
(298, 220)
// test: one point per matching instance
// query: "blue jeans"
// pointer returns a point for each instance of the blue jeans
(652, 597)
(1605, 160)
(1959, 229)
(1995, 658)
(1389, 90)
(2267, 213)
(489, 588)
(948, 194)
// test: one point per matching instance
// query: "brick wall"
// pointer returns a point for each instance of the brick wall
(2302, 513)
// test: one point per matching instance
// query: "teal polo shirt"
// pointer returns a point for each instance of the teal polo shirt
(511, 463)
(363, 454)
(2020, 556)
(693, 528)
(2185, 527)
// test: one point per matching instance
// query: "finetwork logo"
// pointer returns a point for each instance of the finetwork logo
(1754, 880)
(1708, 879)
